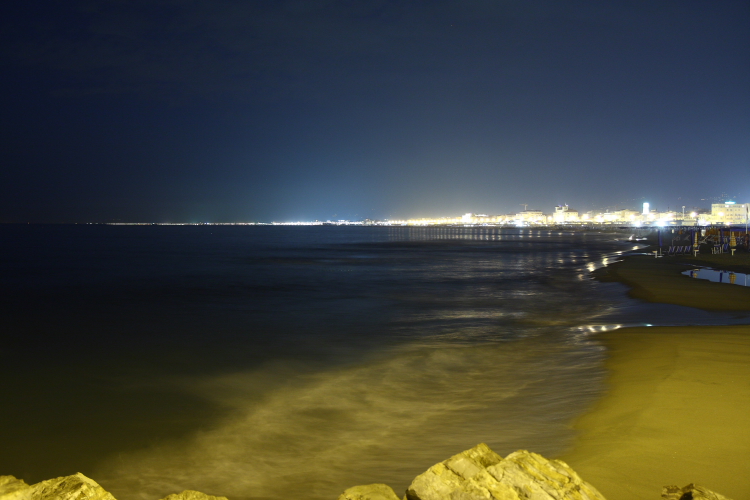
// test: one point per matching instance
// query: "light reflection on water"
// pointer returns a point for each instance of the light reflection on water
(418, 233)
(718, 276)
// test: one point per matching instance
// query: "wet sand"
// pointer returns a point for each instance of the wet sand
(739, 262)
(659, 280)
(677, 409)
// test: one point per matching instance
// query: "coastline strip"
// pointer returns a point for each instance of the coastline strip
(660, 280)
(677, 411)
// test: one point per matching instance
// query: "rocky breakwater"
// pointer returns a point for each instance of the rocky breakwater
(482, 474)
(475, 474)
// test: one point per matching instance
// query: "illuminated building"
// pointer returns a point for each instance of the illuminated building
(564, 214)
(729, 212)
(531, 217)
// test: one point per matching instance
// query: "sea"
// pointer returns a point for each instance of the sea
(271, 362)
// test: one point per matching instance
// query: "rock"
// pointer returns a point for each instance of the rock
(369, 492)
(480, 473)
(192, 495)
(690, 492)
(12, 488)
(75, 487)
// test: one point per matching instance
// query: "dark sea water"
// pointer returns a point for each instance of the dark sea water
(279, 362)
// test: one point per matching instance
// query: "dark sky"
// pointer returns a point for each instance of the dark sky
(228, 110)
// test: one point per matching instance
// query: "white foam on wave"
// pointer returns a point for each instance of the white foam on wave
(296, 433)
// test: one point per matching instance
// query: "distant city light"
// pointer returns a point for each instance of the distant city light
(724, 213)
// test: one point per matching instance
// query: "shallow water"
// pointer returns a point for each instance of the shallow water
(269, 362)
(718, 276)
(385, 420)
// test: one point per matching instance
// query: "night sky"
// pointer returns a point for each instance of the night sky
(222, 110)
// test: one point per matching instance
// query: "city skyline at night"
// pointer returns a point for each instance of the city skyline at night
(260, 111)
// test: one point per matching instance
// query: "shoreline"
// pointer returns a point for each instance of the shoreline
(660, 280)
(677, 405)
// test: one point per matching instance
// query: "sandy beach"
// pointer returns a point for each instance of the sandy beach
(677, 408)
(660, 280)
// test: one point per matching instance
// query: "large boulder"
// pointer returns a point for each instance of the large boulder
(482, 474)
(690, 492)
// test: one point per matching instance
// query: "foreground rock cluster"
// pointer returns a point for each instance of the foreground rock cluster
(482, 474)
(475, 474)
